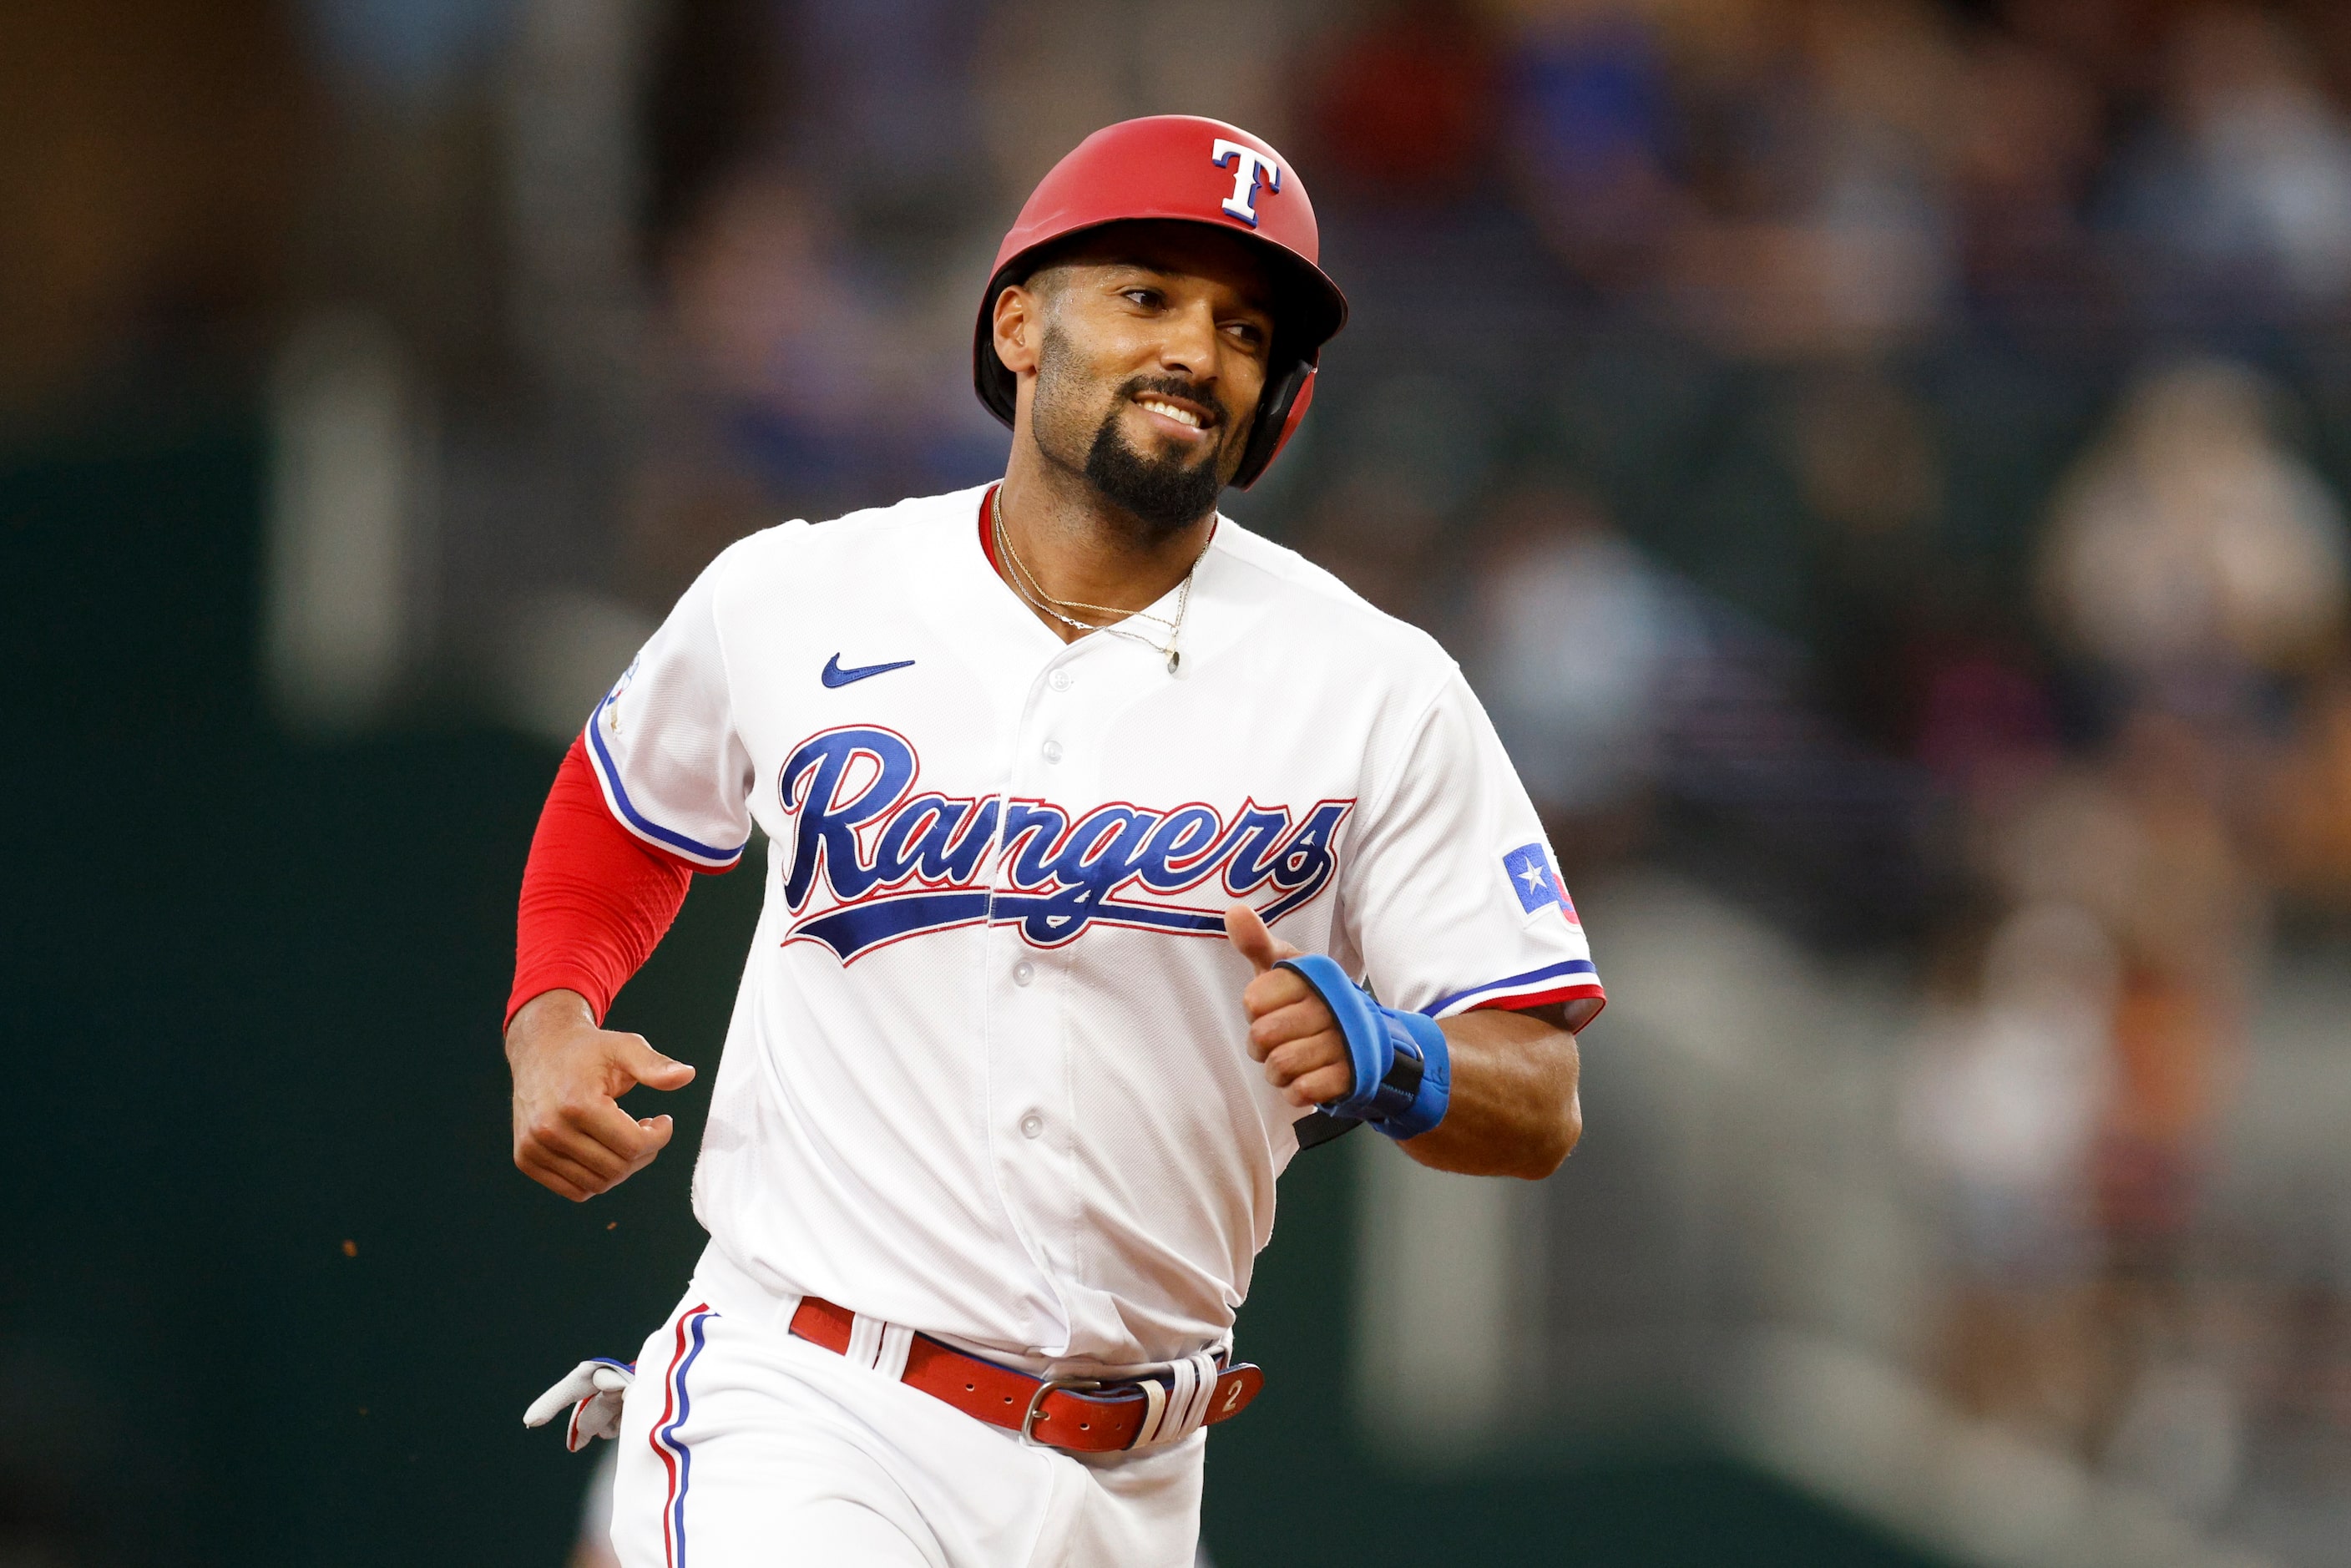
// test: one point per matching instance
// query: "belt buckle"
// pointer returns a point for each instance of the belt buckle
(1036, 1404)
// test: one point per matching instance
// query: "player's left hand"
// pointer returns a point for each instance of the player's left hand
(1290, 1027)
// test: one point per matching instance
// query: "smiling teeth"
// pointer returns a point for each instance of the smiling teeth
(1181, 416)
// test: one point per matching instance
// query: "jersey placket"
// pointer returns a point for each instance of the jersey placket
(1031, 1099)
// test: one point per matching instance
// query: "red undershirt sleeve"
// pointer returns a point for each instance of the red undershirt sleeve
(596, 899)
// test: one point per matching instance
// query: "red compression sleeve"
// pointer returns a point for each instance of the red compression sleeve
(596, 899)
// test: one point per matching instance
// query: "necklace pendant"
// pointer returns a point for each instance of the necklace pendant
(1173, 658)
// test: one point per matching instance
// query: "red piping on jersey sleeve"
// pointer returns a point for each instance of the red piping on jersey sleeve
(596, 899)
(1544, 998)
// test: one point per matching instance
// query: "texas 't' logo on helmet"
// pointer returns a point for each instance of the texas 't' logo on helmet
(1252, 171)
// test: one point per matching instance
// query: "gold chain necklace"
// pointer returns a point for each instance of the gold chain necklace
(1025, 583)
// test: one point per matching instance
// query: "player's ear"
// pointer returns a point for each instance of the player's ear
(1020, 327)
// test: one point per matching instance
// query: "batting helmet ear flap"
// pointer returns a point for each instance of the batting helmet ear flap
(1286, 398)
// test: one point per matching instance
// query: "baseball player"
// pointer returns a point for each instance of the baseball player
(1115, 854)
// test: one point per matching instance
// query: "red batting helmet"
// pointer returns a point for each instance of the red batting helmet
(1181, 167)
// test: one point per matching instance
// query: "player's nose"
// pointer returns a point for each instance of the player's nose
(1187, 342)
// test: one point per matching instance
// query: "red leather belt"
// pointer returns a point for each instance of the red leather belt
(1062, 1412)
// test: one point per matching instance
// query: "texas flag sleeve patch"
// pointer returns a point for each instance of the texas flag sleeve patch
(1531, 877)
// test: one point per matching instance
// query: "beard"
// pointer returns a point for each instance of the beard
(1162, 494)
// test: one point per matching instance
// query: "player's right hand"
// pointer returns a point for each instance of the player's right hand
(570, 1134)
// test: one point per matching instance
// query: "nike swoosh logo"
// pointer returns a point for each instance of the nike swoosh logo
(834, 675)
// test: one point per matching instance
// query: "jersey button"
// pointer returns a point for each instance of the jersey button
(1023, 972)
(1059, 680)
(1053, 751)
(1031, 1126)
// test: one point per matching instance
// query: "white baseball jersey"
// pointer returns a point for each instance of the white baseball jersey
(988, 1072)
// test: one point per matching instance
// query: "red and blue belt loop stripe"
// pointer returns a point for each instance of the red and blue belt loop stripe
(676, 1457)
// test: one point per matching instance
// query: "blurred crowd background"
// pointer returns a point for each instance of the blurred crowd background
(1882, 462)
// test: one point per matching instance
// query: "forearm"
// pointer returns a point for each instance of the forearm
(1513, 1109)
(595, 901)
(594, 904)
(548, 1010)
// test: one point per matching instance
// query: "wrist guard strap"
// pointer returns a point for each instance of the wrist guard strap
(1403, 1073)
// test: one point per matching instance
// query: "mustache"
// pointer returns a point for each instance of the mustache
(1179, 386)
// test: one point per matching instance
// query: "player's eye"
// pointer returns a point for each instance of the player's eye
(1249, 332)
(1147, 298)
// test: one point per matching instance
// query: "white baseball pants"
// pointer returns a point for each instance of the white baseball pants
(742, 1447)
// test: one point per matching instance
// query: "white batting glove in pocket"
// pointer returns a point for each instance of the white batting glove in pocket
(594, 1390)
